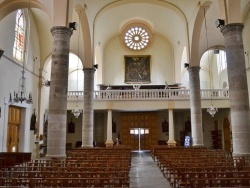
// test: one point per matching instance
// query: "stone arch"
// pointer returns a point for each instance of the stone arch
(195, 57)
(245, 12)
(234, 11)
(9, 6)
(161, 3)
(87, 44)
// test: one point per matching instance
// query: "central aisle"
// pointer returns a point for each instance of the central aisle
(145, 172)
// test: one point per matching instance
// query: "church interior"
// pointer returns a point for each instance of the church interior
(124, 83)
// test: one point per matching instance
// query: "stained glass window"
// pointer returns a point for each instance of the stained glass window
(18, 49)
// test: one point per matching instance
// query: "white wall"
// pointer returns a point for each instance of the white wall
(161, 62)
(10, 73)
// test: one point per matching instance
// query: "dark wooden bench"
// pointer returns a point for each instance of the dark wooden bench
(13, 158)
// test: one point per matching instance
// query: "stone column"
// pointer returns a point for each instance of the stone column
(57, 117)
(88, 110)
(109, 142)
(238, 91)
(195, 102)
(171, 139)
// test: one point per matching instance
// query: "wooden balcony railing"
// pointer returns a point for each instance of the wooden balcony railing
(150, 94)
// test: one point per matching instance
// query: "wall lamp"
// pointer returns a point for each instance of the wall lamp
(219, 22)
(216, 51)
(186, 65)
(96, 66)
(1, 53)
(45, 82)
(73, 25)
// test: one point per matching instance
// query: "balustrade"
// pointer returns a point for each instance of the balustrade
(150, 94)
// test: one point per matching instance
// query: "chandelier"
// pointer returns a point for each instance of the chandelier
(211, 110)
(77, 111)
(136, 86)
(21, 95)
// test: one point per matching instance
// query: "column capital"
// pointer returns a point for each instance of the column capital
(61, 30)
(88, 69)
(232, 28)
(194, 68)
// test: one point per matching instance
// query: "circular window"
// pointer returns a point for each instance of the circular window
(136, 36)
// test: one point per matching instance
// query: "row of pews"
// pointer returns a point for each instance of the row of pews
(8, 159)
(83, 167)
(201, 167)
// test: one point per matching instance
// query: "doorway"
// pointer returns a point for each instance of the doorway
(139, 130)
(140, 136)
(14, 120)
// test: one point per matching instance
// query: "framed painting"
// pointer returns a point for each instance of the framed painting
(71, 127)
(137, 69)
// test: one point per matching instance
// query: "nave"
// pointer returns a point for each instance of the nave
(120, 167)
(94, 168)
(144, 172)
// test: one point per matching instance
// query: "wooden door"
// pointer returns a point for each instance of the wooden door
(14, 121)
(139, 120)
(227, 135)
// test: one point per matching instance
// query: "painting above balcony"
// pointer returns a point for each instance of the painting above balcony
(137, 69)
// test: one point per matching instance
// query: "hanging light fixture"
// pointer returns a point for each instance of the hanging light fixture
(211, 110)
(76, 111)
(21, 94)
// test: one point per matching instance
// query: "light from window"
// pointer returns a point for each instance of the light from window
(18, 49)
(136, 38)
(221, 61)
(139, 131)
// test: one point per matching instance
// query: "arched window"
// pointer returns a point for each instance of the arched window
(19, 43)
(221, 61)
(75, 77)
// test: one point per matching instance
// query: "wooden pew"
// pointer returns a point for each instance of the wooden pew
(13, 158)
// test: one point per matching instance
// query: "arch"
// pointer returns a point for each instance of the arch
(155, 2)
(161, 3)
(75, 80)
(20, 35)
(9, 6)
(84, 24)
(245, 12)
(194, 57)
(234, 11)
(223, 12)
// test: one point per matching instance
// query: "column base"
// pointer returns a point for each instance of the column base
(198, 145)
(171, 143)
(109, 143)
(241, 154)
(56, 157)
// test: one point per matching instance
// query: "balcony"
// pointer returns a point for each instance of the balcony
(150, 94)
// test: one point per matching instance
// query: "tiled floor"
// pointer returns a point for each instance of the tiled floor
(145, 172)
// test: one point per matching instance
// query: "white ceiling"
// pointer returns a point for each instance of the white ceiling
(171, 19)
